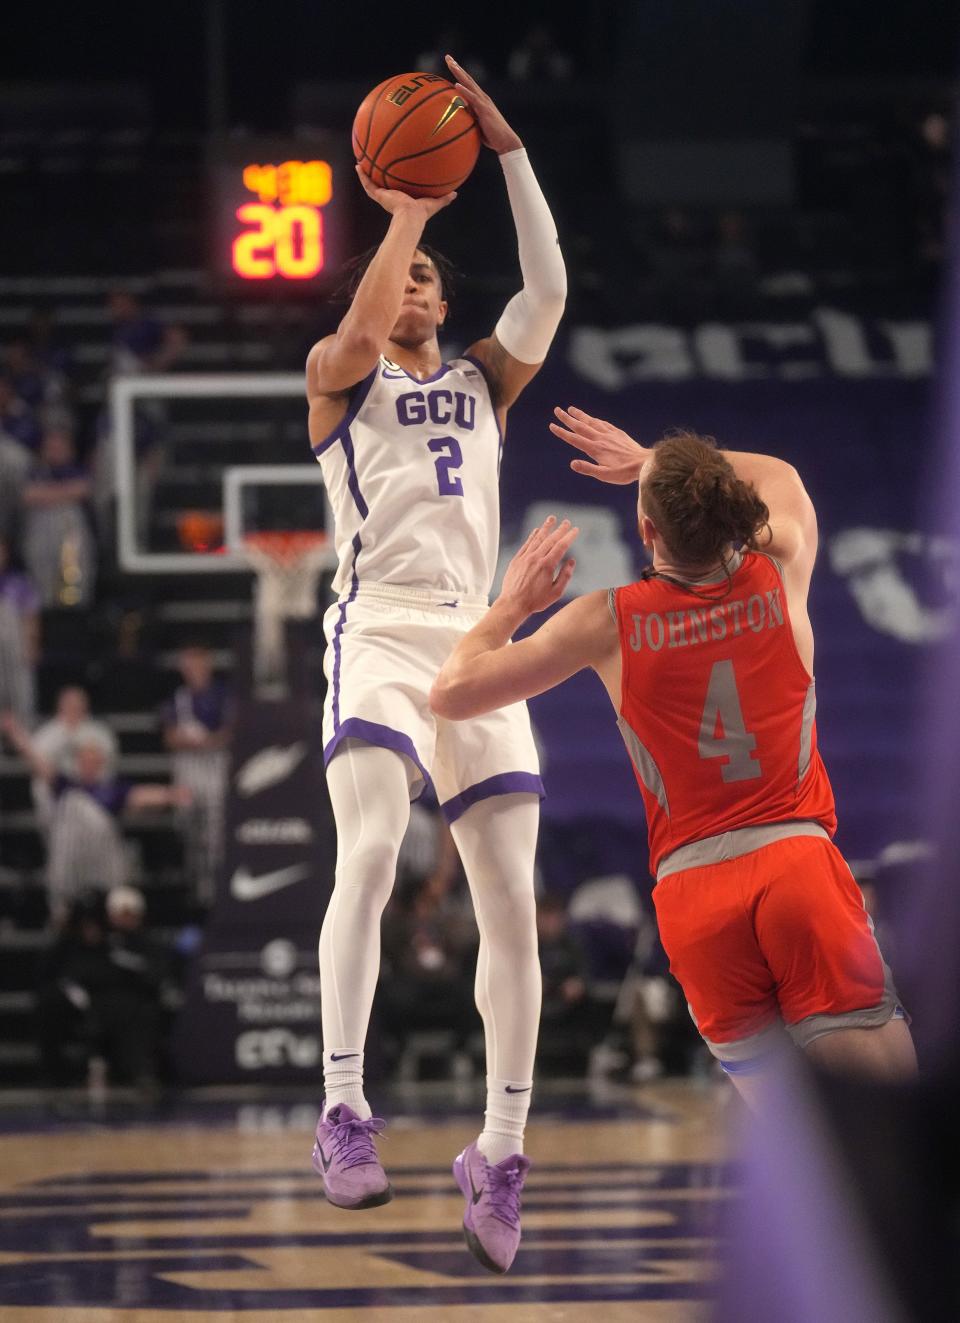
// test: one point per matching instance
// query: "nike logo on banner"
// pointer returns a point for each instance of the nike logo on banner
(268, 767)
(245, 886)
(508, 1089)
(342, 1056)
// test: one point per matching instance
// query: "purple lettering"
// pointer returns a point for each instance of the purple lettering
(441, 406)
(411, 408)
(466, 411)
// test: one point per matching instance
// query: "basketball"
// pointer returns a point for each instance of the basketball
(414, 132)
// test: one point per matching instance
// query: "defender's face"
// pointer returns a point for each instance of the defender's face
(423, 308)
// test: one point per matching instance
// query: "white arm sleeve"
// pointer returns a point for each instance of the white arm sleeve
(531, 318)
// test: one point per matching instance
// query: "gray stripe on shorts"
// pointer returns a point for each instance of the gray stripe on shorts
(733, 844)
(805, 1031)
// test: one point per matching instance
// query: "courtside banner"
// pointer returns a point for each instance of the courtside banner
(252, 1009)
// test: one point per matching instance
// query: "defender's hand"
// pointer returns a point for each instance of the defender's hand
(614, 456)
(495, 132)
(393, 201)
(539, 573)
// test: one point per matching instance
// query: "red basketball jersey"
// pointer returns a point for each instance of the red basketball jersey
(717, 710)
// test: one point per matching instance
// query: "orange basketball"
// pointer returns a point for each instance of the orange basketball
(414, 132)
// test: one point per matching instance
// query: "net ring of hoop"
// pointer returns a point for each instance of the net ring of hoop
(288, 566)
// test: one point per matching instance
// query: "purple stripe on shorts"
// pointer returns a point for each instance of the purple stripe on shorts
(341, 620)
(384, 737)
(360, 393)
(505, 783)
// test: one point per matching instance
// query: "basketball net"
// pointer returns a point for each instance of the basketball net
(288, 566)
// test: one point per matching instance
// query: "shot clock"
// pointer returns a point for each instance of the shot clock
(277, 209)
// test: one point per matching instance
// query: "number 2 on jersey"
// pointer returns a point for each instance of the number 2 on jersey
(449, 457)
(722, 711)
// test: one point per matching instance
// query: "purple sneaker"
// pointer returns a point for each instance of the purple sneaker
(345, 1157)
(491, 1223)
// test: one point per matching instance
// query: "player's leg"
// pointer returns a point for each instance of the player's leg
(369, 793)
(497, 840)
(706, 930)
(836, 994)
(370, 797)
(885, 1053)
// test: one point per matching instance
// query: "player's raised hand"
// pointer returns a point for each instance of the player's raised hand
(494, 129)
(614, 456)
(392, 200)
(539, 573)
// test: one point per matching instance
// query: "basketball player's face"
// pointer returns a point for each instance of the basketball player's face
(423, 308)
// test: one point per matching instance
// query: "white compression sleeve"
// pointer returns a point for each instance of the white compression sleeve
(530, 319)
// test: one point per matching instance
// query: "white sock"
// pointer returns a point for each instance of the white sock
(508, 1102)
(343, 1081)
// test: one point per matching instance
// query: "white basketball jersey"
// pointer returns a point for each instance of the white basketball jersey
(412, 473)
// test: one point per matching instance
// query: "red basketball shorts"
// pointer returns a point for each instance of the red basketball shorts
(775, 937)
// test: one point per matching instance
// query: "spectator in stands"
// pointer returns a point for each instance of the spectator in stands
(565, 1015)
(140, 343)
(932, 179)
(538, 58)
(70, 975)
(41, 386)
(101, 988)
(197, 728)
(427, 951)
(131, 1013)
(87, 848)
(19, 638)
(735, 270)
(46, 350)
(18, 420)
(58, 544)
(679, 260)
(57, 741)
(19, 433)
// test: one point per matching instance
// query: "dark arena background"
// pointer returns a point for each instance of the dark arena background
(756, 203)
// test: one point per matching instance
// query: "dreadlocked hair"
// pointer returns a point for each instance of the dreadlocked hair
(356, 268)
(698, 504)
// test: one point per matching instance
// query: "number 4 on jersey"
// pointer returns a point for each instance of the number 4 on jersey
(722, 731)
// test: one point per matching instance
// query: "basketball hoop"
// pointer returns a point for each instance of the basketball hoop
(288, 566)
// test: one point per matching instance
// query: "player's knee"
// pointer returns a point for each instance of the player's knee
(369, 867)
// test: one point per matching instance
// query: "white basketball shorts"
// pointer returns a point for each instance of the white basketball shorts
(385, 645)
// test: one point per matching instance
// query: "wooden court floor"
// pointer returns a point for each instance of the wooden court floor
(211, 1212)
